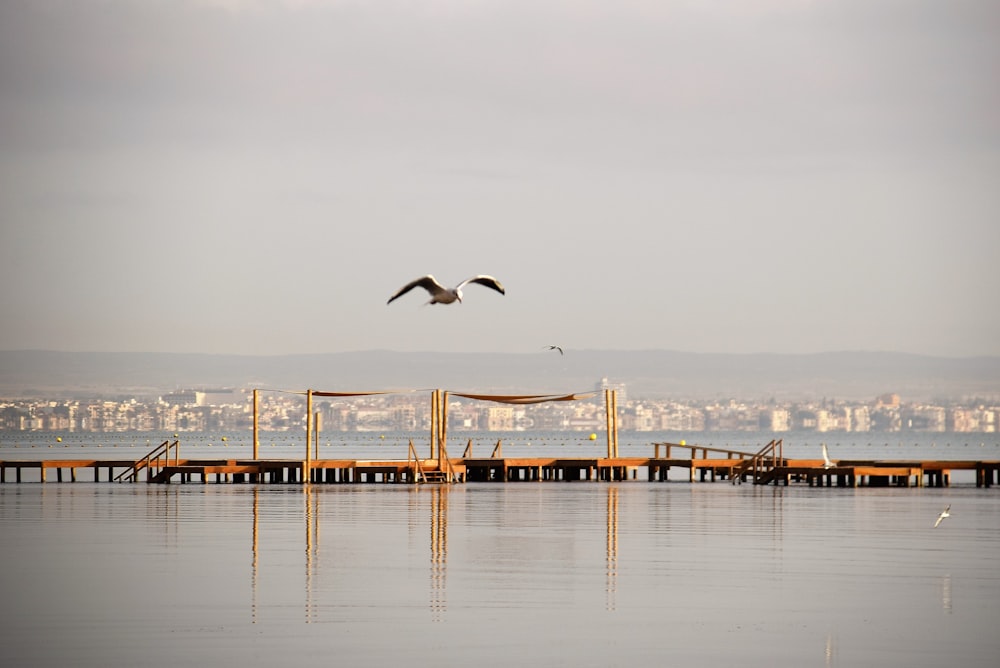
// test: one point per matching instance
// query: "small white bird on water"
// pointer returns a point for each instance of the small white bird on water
(442, 295)
(827, 464)
(944, 513)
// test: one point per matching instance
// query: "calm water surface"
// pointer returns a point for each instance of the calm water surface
(563, 574)
(579, 573)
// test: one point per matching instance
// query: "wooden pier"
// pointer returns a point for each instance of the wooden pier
(696, 464)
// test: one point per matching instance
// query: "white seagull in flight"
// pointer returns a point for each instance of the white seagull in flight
(827, 464)
(442, 295)
(555, 348)
(944, 513)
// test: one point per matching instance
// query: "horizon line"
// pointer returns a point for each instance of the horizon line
(525, 353)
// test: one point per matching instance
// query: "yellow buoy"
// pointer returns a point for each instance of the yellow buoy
(683, 442)
(593, 437)
(58, 439)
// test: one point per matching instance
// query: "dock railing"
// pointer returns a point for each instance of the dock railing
(445, 460)
(765, 461)
(496, 454)
(155, 459)
(695, 449)
(445, 473)
(760, 463)
(414, 461)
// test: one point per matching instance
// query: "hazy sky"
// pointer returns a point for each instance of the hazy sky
(259, 176)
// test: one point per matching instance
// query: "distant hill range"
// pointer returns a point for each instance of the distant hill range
(645, 373)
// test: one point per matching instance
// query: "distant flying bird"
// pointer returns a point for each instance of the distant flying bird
(442, 295)
(555, 348)
(944, 513)
(827, 464)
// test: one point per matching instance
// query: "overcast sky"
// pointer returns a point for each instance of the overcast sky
(259, 176)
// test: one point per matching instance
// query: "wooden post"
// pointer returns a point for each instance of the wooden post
(256, 431)
(443, 426)
(307, 469)
(434, 422)
(614, 417)
(609, 420)
(318, 422)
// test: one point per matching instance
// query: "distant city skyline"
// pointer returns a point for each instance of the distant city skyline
(257, 177)
(218, 411)
(646, 374)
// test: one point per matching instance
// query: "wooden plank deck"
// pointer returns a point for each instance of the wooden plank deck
(72, 466)
(812, 472)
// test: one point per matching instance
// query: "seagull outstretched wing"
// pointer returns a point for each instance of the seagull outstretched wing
(442, 295)
(483, 279)
(428, 283)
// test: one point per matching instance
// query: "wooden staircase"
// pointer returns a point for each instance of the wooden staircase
(438, 477)
(763, 465)
(424, 474)
(153, 463)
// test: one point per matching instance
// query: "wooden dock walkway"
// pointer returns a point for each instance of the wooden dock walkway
(702, 464)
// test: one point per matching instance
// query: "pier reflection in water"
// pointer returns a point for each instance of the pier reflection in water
(439, 550)
(435, 498)
(612, 545)
(568, 574)
(312, 542)
(254, 562)
(431, 503)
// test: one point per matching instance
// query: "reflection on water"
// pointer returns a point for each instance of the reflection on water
(311, 542)
(612, 545)
(254, 561)
(439, 551)
(311, 494)
(561, 574)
